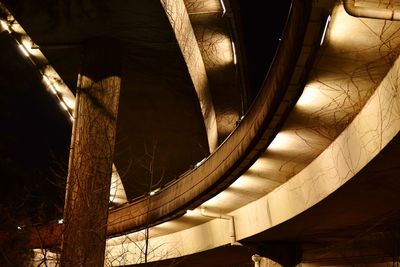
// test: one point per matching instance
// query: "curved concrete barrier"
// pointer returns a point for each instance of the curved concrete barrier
(238, 151)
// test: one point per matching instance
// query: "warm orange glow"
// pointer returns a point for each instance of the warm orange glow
(28, 45)
(282, 141)
(193, 212)
(63, 105)
(312, 95)
(254, 183)
(23, 50)
(49, 84)
(222, 52)
(4, 25)
(218, 200)
(343, 26)
(70, 102)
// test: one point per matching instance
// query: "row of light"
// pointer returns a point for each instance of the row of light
(56, 86)
(4, 25)
(50, 85)
(245, 181)
(281, 140)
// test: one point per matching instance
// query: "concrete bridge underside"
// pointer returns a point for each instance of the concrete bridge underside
(327, 181)
(312, 166)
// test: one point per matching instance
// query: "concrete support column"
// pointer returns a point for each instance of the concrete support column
(91, 155)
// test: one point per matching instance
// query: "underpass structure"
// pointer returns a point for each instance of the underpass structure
(309, 174)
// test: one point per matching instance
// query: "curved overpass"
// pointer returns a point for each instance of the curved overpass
(323, 128)
(297, 165)
(234, 156)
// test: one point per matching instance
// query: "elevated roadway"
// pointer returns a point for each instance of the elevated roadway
(310, 172)
(311, 169)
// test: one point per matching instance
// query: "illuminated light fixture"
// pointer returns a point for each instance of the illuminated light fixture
(69, 102)
(223, 7)
(234, 53)
(200, 162)
(29, 46)
(62, 104)
(53, 90)
(49, 84)
(23, 50)
(19, 227)
(60, 221)
(325, 29)
(46, 81)
(4, 25)
(190, 212)
(152, 193)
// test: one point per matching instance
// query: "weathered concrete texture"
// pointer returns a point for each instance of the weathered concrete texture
(158, 103)
(219, 50)
(89, 173)
(180, 22)
(91, 157)
(192, 188)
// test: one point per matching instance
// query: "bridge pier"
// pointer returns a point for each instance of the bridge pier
(91, 155)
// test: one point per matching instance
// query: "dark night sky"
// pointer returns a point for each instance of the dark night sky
(262, 28)
(34, 146)
(35, 134)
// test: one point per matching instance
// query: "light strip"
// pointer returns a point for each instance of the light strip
(325, 29)
(59, 89)
(70, 103)
(49, 84)
(152, 193)
(200, 162)
(4, 25)
(24, 50)
(234, 53)
(63, 105)
(223, 7)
